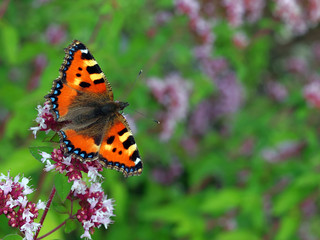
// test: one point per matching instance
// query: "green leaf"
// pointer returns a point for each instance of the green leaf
(35, 151)
(70, 226)
(12, 237)
(62, 185)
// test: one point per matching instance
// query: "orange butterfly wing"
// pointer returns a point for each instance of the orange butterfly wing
(119, 150)
(75, 98)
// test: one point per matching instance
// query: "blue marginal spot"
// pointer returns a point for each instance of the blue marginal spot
(70, 57)
(126, 169)
(90, 155)
(76, 151)
(117, 164)
(72, 49)
(131, 169)
(54, 106)
(70, 52)
(63, 134)
(57, 114)
(53, 99)
(69, 148)
(55, 92)
(82, 155)
(58, 85)
(68, 63)
(64, 75)
(109, 163)
(65, 69)
(66, 142)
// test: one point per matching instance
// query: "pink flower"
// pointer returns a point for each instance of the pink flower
(15, 205)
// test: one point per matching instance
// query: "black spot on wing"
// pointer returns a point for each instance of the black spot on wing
(94, 69)
(127, 143)
(135, 155)
(110, 140)
(85, 84)
(123, 131)
(97, 140)
(86, 56)
(81, 46)
(78, 75)
(114, 150)
(101, 80)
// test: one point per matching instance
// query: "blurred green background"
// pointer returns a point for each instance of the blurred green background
(236, 87)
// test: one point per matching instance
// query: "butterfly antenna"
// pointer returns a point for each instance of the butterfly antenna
(154, 120)
(129, 91)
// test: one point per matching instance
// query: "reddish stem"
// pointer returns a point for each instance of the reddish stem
(53, 191)
(56, 228)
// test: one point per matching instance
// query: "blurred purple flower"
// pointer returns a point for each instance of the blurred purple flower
(254, 9)
(283, 151)
(168, 175)
(235, 11)
(188, 7)
(162, 17)
(173, 93)
(39, 63)
(291, 13)
(311, 93)
(240, 40)
(276, 91)
(297, 65)
(56, 34)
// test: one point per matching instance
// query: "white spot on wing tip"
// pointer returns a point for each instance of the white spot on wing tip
(137, 161)
(84, 51)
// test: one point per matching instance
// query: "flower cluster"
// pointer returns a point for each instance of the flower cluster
(44, 119)
(172, 92)
(18, 209)
(96, 208)
(72, 166)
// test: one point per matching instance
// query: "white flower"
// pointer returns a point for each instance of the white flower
(86, 226)
(41, 205)
(23, 201)
(78, 187)
(93, 202)
(45, 156)
(93, 174)
(67, 161)
(49, 166)
(27, 214)
(95, 187)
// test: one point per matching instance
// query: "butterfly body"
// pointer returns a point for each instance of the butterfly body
(92, 126)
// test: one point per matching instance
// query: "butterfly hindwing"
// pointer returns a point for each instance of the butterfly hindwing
(119, 150)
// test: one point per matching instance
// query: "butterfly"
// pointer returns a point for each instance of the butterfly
(81, 100)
